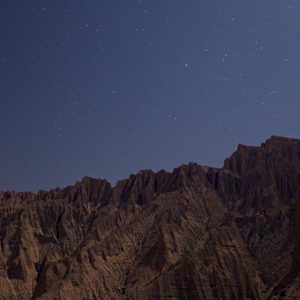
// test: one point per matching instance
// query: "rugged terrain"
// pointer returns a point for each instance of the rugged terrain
(195, 233)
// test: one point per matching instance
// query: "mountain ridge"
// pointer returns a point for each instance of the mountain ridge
(197, 232)
(273, 138)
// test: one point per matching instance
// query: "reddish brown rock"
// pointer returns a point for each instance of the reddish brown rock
(194, 233)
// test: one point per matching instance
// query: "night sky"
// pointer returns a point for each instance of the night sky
(106, 88)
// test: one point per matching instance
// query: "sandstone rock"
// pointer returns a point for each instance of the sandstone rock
(194, 233)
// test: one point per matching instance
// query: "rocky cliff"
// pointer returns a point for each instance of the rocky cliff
(194, 233)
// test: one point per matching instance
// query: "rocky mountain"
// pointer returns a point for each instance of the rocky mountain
(195, 233)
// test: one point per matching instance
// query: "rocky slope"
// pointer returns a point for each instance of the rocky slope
(194, 233)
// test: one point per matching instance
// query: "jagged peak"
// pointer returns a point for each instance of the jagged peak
(274, 140)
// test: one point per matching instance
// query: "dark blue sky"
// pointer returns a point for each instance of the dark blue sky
(105, 88)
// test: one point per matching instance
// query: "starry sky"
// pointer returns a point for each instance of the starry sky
(105, 88)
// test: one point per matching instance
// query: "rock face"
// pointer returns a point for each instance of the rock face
(194, 233)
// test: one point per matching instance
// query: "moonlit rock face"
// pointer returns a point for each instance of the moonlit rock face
(194, 233)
